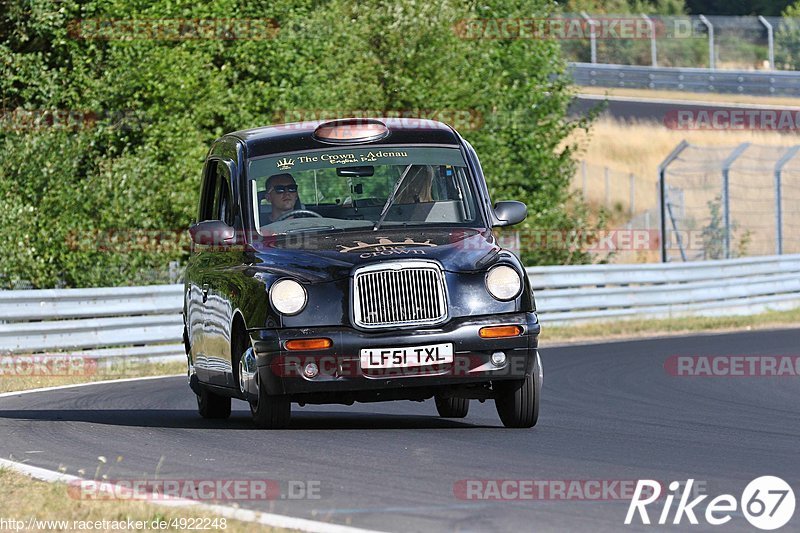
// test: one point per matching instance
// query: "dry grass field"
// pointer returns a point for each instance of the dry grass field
(639, 148)
(633, 152)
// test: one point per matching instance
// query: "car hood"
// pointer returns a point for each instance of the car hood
(325, 256)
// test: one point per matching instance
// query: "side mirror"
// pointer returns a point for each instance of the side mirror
(509, 213)
(212, 233)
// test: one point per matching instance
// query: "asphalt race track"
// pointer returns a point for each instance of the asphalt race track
(642, 109)
(609, 412)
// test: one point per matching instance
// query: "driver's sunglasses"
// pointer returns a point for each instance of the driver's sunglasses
(280, 189)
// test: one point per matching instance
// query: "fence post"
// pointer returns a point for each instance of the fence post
(790, 153)
(726, 200)
(710, 27)
(653, 45)
(770, 41)
(592, 35)
(662, 198)
(633, 194)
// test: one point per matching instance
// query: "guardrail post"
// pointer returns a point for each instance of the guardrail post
(592, 35)
(653, 45)
(726, 200)
(664, 206)
(770, 41)
(711, 54)
(790, 153)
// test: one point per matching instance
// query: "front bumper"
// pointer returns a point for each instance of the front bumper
(341, 377)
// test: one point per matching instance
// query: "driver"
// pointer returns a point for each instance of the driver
(282, 195)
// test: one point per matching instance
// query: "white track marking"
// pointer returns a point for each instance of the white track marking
(244, 515)
(87, 384)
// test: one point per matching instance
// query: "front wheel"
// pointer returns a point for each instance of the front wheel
(517, 402)
(270, 412)
(452, 407)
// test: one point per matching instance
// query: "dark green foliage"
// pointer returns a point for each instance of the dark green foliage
(127, 161)
(767, 8)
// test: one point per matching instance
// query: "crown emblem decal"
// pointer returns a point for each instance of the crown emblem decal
(383, 244)
(285, 163)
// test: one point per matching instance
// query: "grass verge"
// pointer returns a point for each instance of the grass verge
(632, 329)
(19, 373)
(28, 501)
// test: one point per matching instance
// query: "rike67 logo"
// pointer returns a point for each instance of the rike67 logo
(767, 503)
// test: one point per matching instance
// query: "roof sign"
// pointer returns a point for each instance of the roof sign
(350, 131)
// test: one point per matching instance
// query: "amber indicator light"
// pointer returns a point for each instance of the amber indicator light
(496, 332)
(308, 344)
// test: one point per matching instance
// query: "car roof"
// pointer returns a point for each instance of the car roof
(297, 136)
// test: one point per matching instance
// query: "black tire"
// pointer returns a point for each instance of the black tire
(271, 412)
(213, 406)
(452, 407)
(517, 401)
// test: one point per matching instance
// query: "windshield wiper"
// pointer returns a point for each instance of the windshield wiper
(390, 200)
(310, 228)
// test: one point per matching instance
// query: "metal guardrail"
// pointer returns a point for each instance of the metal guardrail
(584, 293)
(103, 322)
(751, 82)
(145, 322)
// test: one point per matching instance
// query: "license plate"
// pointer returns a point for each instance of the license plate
(409, 356)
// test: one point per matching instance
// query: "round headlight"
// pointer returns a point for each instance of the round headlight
(503, 282)
(288, 297)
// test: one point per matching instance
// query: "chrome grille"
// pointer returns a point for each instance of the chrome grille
(403, 293)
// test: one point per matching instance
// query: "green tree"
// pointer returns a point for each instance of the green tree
(787, 39)
(88, 201)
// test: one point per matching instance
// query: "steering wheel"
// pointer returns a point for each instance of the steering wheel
(298, 212)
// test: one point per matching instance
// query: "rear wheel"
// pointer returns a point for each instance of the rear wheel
(270, 412)
(213, 406)
(452, 407)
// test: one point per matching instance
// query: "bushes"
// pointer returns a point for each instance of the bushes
(150, 109)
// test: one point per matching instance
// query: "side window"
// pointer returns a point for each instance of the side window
(223, 210)
(209, 192)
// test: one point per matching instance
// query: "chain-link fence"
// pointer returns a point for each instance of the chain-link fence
(726, 202)
(686, 41)
(621, 193)
(630, 202)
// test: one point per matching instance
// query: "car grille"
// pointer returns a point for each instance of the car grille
(404, 293)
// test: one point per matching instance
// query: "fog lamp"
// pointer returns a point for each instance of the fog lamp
(498, 358)
(311, 370)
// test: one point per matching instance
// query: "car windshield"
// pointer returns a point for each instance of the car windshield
(357, 188)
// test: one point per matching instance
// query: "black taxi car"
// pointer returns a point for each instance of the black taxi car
(354, 261)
